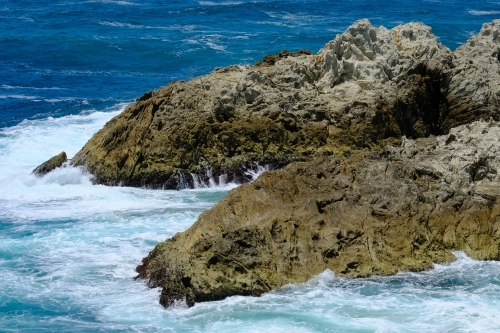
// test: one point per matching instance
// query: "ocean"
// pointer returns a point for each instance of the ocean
(68, 249)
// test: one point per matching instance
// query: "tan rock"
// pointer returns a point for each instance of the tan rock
(400, 209)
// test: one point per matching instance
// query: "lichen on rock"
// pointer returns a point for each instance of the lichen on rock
(403, 208)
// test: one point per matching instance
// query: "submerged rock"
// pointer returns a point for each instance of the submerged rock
(402, 208)
(366, 88)
(53, 163)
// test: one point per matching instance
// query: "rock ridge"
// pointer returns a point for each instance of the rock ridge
(364, 89)
(51, 164)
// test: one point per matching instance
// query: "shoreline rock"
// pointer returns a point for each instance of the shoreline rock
(349, 199)
(365, 89)
(377, 213)
(53, 163)
(367, 212)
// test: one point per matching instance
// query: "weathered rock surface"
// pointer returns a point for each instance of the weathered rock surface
(55, 162)
(339, 205)
(402, 208)
(366, 88)
(473, 85)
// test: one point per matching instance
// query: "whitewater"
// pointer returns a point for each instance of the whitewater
(68, 248)
(68, 252)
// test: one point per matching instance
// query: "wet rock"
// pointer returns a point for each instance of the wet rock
(398, 209)
(53, 163)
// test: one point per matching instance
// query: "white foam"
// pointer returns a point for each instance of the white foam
(28, 144)
(18, 96)
(212, 183)
(57, 100)
(114, 2)
(295, 17)
(255, 171)
(70, 245)
(291, 19)
(132, 26)
(31, 142)
(215, 46)
(120, 24)
(25, 18)
(226, 3)
(5, 86)
(223, 181)
(183, 28)
(484, 12)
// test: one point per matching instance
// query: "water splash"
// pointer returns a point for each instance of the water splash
(226, 180)
(255, 171)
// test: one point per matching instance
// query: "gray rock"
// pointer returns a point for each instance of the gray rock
(473, 85)
(367, 87)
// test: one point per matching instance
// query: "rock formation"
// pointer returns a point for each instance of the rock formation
(401, 208)
(349, 201)
(473, 85)
(54, 162)
(366, 88)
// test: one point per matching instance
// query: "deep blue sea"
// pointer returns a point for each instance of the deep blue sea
(68, 249)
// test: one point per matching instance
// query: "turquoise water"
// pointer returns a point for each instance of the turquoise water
(68, 249)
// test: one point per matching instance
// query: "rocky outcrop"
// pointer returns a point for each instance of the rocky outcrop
(366, 88)
(53, 163)
(473, 85)
(401, 208)
(344, 203)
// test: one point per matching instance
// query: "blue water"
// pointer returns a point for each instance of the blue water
(66, 57)
(68, 249)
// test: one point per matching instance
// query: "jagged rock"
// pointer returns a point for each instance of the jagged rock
(473, 85)
(55, 162)
(402, 208)
(270, 60)
(366, 88)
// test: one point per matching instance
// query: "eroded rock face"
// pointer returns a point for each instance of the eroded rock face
(402, 208)
(473, 87)
(367, 87)
(53, 163)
